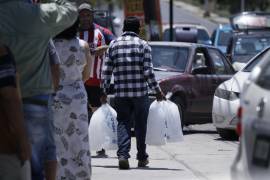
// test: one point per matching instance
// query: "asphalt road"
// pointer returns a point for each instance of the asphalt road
(183, 16)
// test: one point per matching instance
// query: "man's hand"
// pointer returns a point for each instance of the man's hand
(100, 51)
(160, 96)
(103, 98)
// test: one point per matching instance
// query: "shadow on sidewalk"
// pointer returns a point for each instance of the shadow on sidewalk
(103, 157)
(190, 132)
(138, 168)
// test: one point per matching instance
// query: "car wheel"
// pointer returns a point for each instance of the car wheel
(227, 134)
(180, 104)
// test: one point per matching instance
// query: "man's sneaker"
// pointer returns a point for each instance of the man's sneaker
(143, 163)
(123, 163)
(101, 153)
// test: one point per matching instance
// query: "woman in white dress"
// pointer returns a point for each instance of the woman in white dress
(70, 107)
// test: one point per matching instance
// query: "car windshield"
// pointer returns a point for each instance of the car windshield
(169, 58)
(246, 46)
(203, 35)
(224, 38)
(255, 61)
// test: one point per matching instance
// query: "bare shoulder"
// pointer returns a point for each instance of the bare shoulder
(83, 44)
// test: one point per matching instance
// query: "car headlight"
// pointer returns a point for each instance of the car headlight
(225, 94)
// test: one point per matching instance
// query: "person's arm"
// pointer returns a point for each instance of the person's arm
(99, 51)
(57, 15)
(149, 73)
(11, 105)
(107, 71)
(55, 64)
(87, 67)
(10, 102)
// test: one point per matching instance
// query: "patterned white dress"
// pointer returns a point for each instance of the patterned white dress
(70, 113)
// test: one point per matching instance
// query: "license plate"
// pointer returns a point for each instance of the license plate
(261, 153)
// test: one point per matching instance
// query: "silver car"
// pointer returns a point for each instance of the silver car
(252, 160)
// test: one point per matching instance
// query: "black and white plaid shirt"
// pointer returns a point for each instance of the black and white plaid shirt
(129, 59)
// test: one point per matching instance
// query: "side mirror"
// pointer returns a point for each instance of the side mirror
(201, 70)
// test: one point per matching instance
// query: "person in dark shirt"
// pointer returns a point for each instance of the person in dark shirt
(14, 146)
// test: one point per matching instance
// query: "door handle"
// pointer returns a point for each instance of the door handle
(260, 107)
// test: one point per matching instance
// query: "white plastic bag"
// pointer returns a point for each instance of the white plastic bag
(155, 134)
(174, 129)
(164, 124)
(103, 129)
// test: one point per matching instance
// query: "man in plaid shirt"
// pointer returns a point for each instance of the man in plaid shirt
(129, 60)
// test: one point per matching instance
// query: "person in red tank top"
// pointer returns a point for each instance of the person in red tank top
(98, 39)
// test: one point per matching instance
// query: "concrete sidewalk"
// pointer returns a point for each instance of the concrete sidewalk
(201, 156)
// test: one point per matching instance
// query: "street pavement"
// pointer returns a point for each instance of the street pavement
(203, 155)
(186, 13)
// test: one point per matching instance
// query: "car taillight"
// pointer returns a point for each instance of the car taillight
(240, 113)
(239, 124)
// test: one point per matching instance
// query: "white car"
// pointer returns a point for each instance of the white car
(226, 99)
(252, 160)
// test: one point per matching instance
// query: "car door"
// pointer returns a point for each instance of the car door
(222, 69)
(204, 85)
(201, 84)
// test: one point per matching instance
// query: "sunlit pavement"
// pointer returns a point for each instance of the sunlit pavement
(201, 156)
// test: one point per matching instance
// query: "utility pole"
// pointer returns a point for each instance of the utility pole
(171, 20)
(242, 5)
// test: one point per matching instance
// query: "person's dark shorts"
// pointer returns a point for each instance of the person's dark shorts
(7, 70)
(94, 94)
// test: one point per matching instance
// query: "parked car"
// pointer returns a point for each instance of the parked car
(226, 99)
(252, 160)
(221, 37)
(193, 33)
(190, 74)
(251, 34)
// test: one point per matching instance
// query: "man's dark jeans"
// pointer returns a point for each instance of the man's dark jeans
(127, 107)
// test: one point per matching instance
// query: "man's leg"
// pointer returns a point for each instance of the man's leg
(123, 109)
(141, 106)
(50, 156)
(36, 123)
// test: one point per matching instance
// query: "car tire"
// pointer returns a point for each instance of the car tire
(180, 104)
(227, 134)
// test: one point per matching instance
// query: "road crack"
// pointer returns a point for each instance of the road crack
(195, 172)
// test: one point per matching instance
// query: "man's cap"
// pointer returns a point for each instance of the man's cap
(85, 6)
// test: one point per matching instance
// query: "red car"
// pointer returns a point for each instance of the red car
(189, 74)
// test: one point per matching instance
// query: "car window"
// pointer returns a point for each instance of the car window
(264, 77)
(255, 61)
(199, 60)
(250, 45)
(170, 58)
(218, 62)
(224, 38)
(203, 35)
